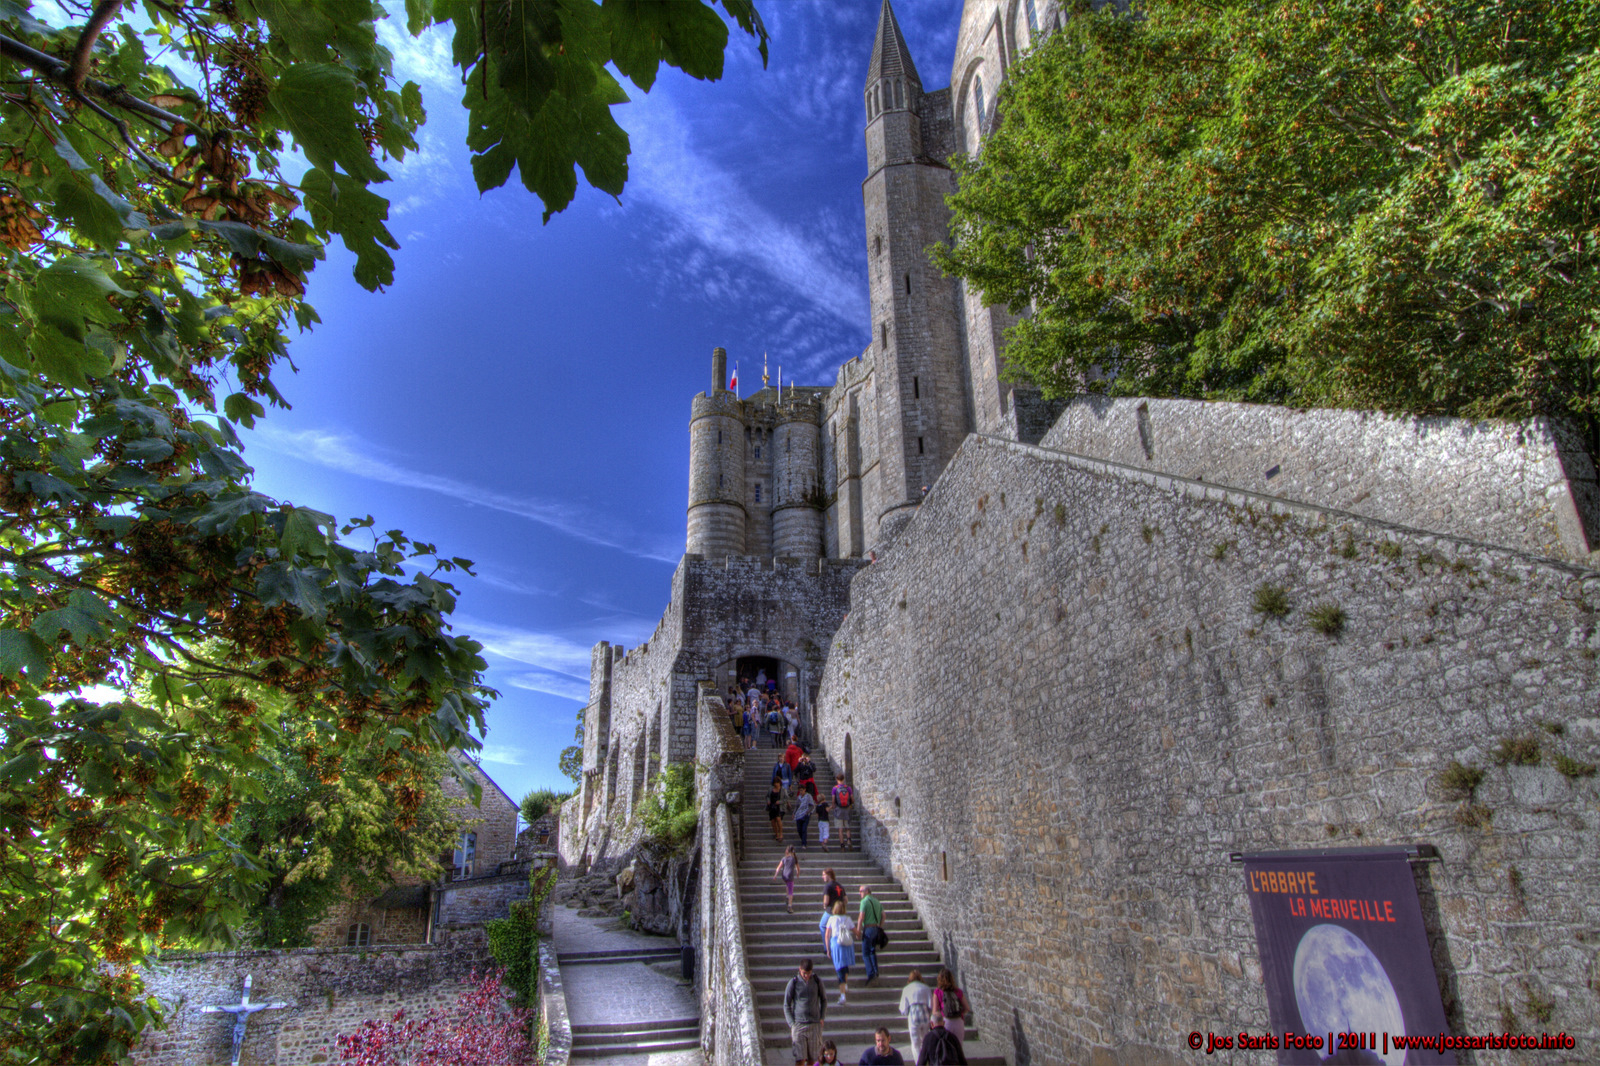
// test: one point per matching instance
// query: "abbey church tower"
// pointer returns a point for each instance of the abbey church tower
(922, 412)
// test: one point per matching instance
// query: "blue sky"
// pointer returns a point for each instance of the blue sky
(520, 395)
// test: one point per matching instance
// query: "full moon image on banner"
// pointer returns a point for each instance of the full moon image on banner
(1341, 987)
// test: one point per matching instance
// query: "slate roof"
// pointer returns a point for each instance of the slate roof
(890, 56)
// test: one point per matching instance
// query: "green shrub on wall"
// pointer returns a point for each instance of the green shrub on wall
(668, 813)
(514, 941)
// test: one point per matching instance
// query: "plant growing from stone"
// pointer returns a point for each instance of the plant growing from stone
(1271, 601)
(1517, 751)
(1327, 619)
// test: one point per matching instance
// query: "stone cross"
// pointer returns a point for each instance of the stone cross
(241, 1012)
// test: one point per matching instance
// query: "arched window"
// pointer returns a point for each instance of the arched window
(899, 95)
(886, 335)
(758, 451)
(466, 855)
(1033, 20)
(977, 99)
(358, 935)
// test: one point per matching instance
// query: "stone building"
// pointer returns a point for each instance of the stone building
(790, 491)
(1034, 636)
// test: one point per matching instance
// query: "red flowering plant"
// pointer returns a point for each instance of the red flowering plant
(481, 1028)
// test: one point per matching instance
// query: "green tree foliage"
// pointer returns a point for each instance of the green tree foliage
(572, 754)
(314, 834)
(1383, 205)
(540, 802)
(668, 812)
(154, 254)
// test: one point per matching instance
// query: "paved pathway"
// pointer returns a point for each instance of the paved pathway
(626, 1001)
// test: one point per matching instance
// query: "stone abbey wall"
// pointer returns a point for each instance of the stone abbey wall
(332, 991)
(1527, 485)
(1063, 711)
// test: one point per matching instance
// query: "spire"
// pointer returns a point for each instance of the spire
(890, 56)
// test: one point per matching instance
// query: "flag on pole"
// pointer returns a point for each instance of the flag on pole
(733, 382)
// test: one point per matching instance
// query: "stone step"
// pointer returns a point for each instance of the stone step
(609, 1029)
(640, 1047)
(647, 955)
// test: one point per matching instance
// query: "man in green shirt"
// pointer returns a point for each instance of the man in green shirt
(869, 926)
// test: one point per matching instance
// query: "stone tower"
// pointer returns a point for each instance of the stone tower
(922, 411)
(754, 470)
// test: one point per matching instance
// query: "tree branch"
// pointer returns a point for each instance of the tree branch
(53, 69)
(91, 33)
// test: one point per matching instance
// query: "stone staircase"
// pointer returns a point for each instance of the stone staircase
(624, 1038)
(776, 941)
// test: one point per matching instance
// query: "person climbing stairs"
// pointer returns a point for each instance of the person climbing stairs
(776, 941)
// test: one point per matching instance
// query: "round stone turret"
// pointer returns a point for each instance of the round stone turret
(716, 471)
(797, 500)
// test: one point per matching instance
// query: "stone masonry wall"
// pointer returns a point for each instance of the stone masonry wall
(332, 992)
(1064, 712)
(1526, 485)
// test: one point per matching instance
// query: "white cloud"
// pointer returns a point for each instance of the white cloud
(707, 208)
(503, 756)
(550, 652)
(552, 684)
(339, 451)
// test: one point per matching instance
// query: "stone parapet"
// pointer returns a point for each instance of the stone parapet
(730, 1032)
(554, 1024)
(1524, 485)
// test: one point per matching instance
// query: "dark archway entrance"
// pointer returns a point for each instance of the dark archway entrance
(763, 667)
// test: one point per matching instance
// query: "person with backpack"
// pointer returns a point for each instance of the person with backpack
(804, 1007)
(823, 818)
(841, 948)
(941, 1047)
(803, 811)
(950, 1003)
(843, 796)
(775, 726)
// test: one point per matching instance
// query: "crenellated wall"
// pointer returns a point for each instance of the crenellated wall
(644, 702)
(1065, 707)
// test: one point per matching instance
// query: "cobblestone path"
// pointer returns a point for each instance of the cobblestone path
(625, 999)
(775, 941)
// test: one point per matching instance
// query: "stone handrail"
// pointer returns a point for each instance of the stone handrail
(736, 1031)
(553, 1021)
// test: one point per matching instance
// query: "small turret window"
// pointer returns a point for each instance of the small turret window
(877, 245)
(908, 284)
(919, 446)
(758, 492)
(758, 451)
(886, 334)
(899, 95)
(916, 389)
(719, 436)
